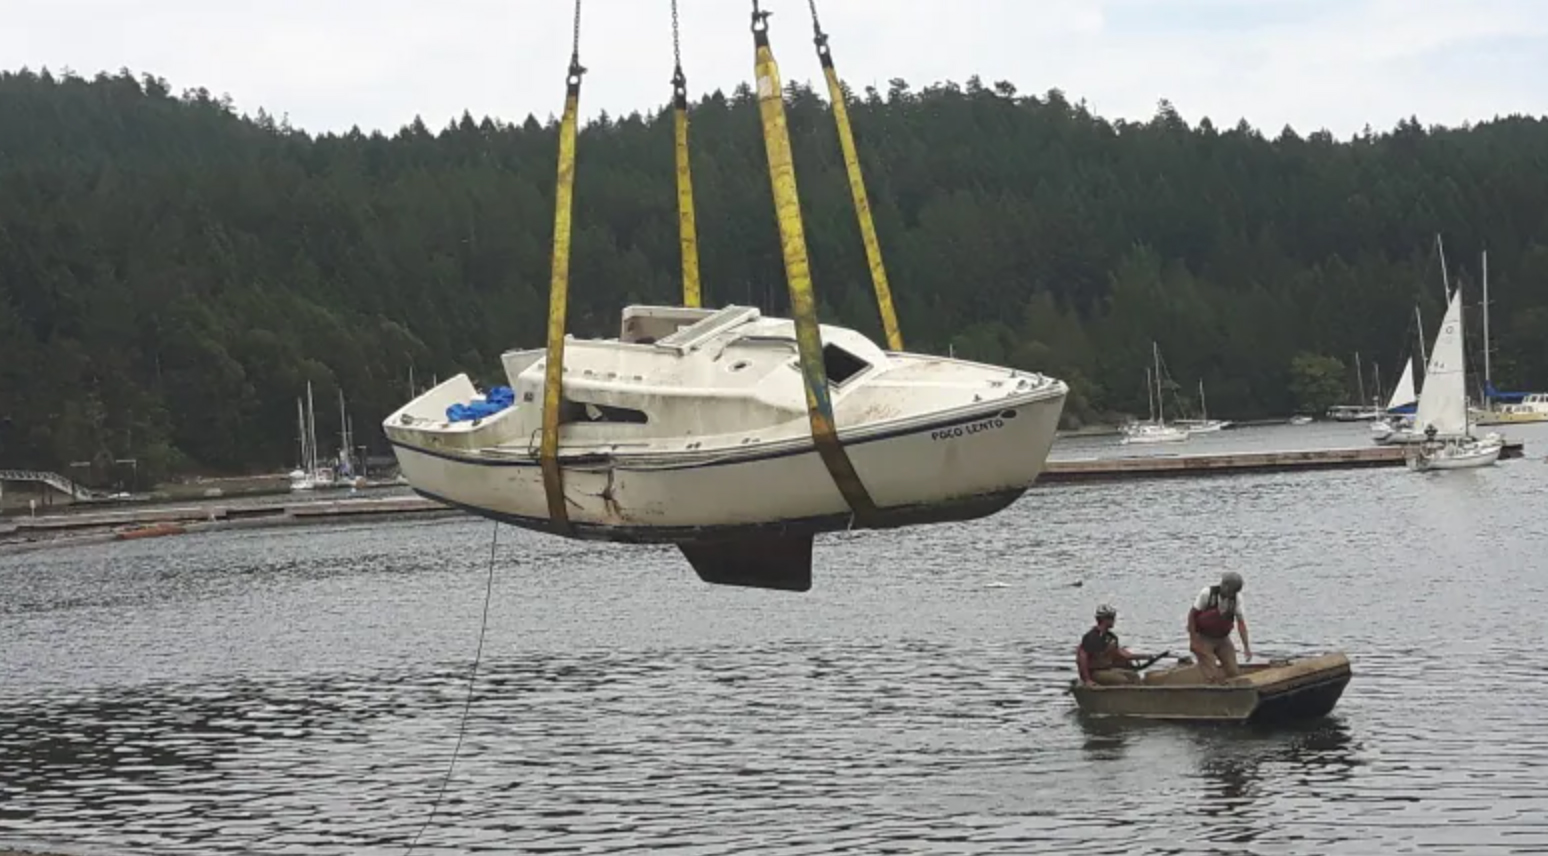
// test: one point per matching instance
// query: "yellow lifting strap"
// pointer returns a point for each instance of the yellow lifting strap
(559, 291)
(857, 187)
(787, 209)
(688, 239)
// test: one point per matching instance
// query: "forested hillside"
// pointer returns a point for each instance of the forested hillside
(171, 273)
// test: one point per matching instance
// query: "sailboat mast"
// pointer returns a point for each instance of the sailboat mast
(343, 430)
(1488, 379)
(1150, 396)
(1155, 349)
(1203, 407)
(311, 430)
(1424, 361)
(301, 431)
(1360, 376)
(1445, 277)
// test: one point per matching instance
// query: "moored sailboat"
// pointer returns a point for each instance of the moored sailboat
(1442, 415)
(1203, 424)
(1397, 425)
(1155, 429)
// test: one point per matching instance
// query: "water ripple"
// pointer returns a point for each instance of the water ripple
(299, 691)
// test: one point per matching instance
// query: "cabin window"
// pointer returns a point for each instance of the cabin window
(573, 412)
(841, 365)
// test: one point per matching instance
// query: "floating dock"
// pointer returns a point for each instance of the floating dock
(84, 527)
(1062, 470)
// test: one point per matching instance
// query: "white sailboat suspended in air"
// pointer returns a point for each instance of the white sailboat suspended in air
(1442, 418)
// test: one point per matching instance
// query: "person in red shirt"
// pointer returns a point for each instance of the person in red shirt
(1215, 612)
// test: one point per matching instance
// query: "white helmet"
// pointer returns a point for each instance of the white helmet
(1230, 582)
(1106, 611)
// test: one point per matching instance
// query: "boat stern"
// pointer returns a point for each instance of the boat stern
(434, 434)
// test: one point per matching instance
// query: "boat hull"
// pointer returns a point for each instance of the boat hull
(1279, 692)
(967, 466)
(1488, 417)
(1455, 457)
(1151, 434)
(1398, 438)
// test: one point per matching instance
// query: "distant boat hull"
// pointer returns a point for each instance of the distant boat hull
(1387, 434)
(1509, 417)
(1203, 426)
(1151, 433)
(957, 467)
(1350, 413)
(1456, 455)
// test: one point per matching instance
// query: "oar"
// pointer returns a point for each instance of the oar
(1152, 661)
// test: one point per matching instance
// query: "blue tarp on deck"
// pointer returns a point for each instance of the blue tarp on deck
(496, 400)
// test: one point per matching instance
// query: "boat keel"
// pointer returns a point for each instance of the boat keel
(782, 562)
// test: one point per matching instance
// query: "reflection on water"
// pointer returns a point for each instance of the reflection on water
(300, 691)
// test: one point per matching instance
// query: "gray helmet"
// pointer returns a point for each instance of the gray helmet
(1231, 582)
(1106, 611)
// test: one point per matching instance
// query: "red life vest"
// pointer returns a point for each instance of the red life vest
(1212, 621)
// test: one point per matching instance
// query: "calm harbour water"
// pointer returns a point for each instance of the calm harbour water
(299, 691)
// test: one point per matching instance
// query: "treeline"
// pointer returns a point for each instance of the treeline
(173, 274)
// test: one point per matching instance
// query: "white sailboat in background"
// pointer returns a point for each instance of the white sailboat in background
(1442, 417)
(1203, 424)
(1356, 412)
(301, 476)
(1155, 430)
(1398, 427)
(311, 474)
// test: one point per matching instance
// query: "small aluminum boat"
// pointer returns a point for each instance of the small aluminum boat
(1278, 691)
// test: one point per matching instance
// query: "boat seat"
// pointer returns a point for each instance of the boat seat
(646, 325)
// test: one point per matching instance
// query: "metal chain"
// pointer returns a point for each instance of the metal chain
(576, 69)
(818, 36)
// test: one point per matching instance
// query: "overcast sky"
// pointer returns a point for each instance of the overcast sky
(331, 64)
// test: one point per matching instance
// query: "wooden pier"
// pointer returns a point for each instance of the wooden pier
(1058, 471)
(131, 524)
